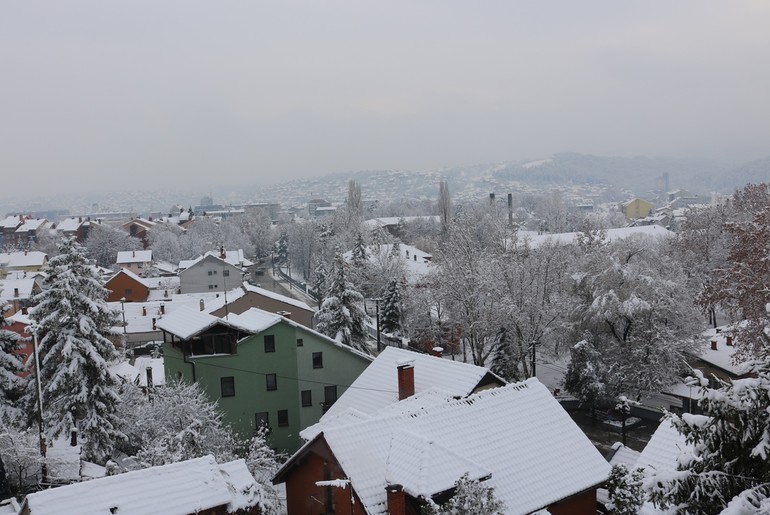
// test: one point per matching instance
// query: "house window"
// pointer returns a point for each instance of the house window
(211, 286)
(262, 419)
(129, 292)
(283, 417)
(330, 396)
(318, 360)
(269, 343)
(227, 385)
(271, 382)
(210, 272)
(300, 342)
(307, 398)
(226, 273)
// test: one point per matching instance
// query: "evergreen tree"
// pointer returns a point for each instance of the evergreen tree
(282, 249)
(319, 282)
(390, 316)
(341, 316)
(470, 498)
(10, 365)
(71, 322)
(624, 489)
(359, 251)
(729, 463)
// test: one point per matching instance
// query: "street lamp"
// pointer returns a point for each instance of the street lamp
(123, 310)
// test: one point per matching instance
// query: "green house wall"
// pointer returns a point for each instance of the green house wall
(293, 366)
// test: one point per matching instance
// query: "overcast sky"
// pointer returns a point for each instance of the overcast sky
(155, 91)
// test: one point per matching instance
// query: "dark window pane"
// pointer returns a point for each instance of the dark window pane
(307, 398)
(271, 382)
(269, 343)
(330, 396)
(300, 342)
(227, 385)
(318, 360)
(283, 417)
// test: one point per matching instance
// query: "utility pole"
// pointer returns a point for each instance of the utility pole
(377, 304)
(41, 434)
(534, 357)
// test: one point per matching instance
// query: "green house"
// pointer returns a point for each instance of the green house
(261, 368)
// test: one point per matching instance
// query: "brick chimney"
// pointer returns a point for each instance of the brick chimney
(437, 351)
(396, 500)
(405, 380)
(162, 309)
(729, 340)
(222, 253)
(285, 314)
(713, 345)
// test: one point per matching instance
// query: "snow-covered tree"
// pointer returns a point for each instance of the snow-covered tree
(341, 316)
(11, 385)
(104, 243)
(634, 320)
(534, 308)
(359, 251)
(624, 489)
(263, 463)
(282, 249)
(72, 322)
(470, 498)
(20, 451)
(728, 470)
(176, 423)
(390, 314)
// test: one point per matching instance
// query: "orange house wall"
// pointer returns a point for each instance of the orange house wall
(117, 286)
(580, 504)
(303, 497)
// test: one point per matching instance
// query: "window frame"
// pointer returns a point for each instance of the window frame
(306, 398)
(283, 418)
(274, 378)
(222, 388)
(269, 342)
(318, 360)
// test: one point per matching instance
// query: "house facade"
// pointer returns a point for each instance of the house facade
(127, 286)
(135, 261)
(261, 368)
(256, 297)
(636, 208)
(209, 273)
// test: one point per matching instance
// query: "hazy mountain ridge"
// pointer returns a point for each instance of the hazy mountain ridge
(636, 175)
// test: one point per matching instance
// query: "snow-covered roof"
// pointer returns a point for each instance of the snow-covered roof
(31, 224)
(232, 257)
(535, 239)
(377, 386)
(69, 224)
(622, 455)
(245, 491)
(188, 322)
(518, 433)
(137, 321)
(179, 488)
(132, 275)
(722, 357)
(276, 296)
(374, 223)
(9, 287)
(134, 256)
(141, 363)
(664, 448)
(10, 222)
(253, 320)
(22, 259)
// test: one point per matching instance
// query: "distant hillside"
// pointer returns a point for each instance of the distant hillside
(754, 172)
